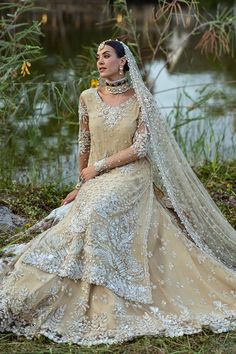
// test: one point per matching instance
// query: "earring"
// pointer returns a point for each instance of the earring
(121, 70)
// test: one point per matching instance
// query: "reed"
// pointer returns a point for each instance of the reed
(32, 107)
(26, 101)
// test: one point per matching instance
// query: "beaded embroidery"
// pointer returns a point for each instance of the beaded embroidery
(117, 266)
(112, 114)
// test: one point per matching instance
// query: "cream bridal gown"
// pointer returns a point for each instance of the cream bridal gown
(118, 265)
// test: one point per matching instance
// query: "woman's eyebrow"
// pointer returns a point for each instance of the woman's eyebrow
(107, 51)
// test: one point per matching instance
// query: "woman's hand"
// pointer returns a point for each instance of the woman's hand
(70, 197)
(88, 173)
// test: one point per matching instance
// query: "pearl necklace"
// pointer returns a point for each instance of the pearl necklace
(117, 86)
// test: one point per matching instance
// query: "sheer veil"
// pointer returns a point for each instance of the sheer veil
(202, 219)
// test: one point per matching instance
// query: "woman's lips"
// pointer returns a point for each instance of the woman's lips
(102, 69)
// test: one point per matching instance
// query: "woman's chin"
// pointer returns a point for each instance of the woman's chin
(108, 76)
(104, 75)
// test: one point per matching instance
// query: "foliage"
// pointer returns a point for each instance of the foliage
(202, 343)
(30, 201)
(26, 102)
(220, 180)
(214, 36)
(200, 143)
(34, 203)
(27, 99)
(19, 39)
(216, 33)
(20, 95)
(19, 47)
(23, 96)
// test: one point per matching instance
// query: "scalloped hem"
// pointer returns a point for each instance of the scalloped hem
(125, 334)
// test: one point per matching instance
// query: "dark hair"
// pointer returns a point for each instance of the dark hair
(119, 49)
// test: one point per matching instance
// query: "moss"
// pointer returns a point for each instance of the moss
(34, 203)
(204, 343)
(220, 180)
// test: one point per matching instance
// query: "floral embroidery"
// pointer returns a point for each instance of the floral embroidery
(84, 140)
(84, 133)
(113, 114)
(96, 245)
(116, 266)
(83, 112)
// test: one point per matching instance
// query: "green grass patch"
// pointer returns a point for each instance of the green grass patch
(35, 203)
(202, 343)
(220, 180)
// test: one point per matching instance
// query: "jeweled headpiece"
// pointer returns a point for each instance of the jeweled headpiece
(101, 45)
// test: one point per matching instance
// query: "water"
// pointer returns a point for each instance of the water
(41, 147)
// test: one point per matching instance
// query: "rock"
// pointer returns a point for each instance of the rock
(9, 221)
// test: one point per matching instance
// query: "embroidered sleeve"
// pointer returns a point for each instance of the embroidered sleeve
(84, 134)
(141, 138)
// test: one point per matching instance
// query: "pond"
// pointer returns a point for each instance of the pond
(42, 148)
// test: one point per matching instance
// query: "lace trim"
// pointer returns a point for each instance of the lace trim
(97, 275)
(107, 261)
(83, 112)
(84, 140)
(94, 331)
(140, 144)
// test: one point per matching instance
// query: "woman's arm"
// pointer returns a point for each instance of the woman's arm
(84, 135)
(84, 147)
(136, 151)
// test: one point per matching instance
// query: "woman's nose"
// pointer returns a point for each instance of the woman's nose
(100, 61)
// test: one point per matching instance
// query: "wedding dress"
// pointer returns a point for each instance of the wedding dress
(120, 263)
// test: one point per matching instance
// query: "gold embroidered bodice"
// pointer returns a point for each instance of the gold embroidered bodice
(117, 265)
(102, 241)
(105, 130)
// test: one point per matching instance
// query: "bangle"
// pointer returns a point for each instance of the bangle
(80, 182)
(78, 185)
(100, 165)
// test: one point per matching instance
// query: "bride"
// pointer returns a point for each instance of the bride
(138, 247)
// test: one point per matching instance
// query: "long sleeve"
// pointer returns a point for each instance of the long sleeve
(84, 135)
(136, 151)
(141, 138)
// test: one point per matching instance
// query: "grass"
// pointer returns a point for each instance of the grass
(220, 180)
(34, 203)
(202, 343)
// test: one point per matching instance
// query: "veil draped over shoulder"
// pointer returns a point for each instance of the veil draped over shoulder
(202, 219)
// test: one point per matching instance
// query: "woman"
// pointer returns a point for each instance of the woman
(140, 248)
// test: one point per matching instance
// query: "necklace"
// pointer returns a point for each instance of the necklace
(117, 86)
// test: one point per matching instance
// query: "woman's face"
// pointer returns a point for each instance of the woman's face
(108, 63)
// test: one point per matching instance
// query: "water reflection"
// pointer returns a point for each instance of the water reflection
(221, 119)
(40, 146)
(42, 111)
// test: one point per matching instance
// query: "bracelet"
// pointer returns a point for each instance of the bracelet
(80, 182)
(100, 165)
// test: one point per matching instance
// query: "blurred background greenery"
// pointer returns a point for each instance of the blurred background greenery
(193, 84)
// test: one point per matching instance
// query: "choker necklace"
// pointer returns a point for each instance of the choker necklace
(117, 86)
